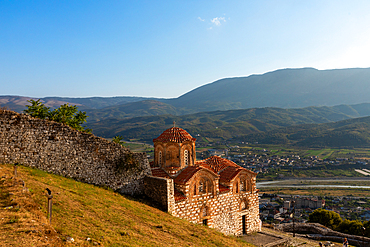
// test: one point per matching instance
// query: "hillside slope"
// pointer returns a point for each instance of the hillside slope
(133, 109)
(286, 88)
(83, 211)
(342, 134)
(223, 125)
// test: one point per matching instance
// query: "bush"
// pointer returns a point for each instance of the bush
(325, 217)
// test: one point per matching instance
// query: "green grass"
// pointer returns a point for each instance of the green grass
(85, 211)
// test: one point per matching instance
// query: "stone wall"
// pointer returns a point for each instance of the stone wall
(59, 149)
(320, 232)
(160, 190)
(223, 211)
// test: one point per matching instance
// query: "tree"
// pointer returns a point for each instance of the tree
(118, 140)
(37, 109)
(66, 114)
(325, 217)
(353, 227)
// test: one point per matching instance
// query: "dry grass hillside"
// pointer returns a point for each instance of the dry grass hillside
(92, 216)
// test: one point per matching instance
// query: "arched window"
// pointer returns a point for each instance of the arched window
(195, 189)
(204, 186)
(236, 187)
(201, 186)
(186, 157)
(160, 158)
(243, 185)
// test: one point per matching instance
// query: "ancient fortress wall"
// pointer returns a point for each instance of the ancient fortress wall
(59, 149)
(160, 190)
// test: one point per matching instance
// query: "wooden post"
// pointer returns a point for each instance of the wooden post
(15, 170)
(293, 202)
(50, 204)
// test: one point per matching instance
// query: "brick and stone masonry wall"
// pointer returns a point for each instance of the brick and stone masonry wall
(160, 190)
(59, 149)
(224, 213)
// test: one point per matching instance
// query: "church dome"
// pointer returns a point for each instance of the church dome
(174, 134)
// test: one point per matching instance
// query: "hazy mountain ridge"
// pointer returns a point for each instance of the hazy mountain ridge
(285, 88)
(133, 109)
(255, 124)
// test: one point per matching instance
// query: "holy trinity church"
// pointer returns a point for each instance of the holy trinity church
(215, 192)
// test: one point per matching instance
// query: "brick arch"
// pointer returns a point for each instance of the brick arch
(205, 214)
(159, 155)
(244, 204)
(189, 149)
(236, 186)
(243, 181)
(203, 183)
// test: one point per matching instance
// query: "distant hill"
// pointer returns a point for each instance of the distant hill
(18, 103)
(285, 88)
(350, 133)
(133, 109)
(223, 125)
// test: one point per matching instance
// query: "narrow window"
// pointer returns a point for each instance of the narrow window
(186, 157)
(242, 186)
(236, 187)
(195, 189)
(201, 188)
(205, 222)
(160, 158)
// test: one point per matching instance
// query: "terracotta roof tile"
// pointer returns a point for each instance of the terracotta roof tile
(229, 173)
(174, 134)
(216, 164)
(186, 174)
(223, 189)
(179, 196)
(159, 172)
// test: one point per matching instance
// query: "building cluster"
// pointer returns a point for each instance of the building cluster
(262, 162)
(282, 208)
(279, 208)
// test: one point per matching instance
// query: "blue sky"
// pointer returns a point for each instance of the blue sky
(167, 48)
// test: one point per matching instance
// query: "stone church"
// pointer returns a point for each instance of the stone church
(215, 192)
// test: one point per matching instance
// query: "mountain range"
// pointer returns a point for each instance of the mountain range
(252, 107)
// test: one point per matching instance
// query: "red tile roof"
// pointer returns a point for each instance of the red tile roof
(216, 164)
(174, 134)
(179, 196)
(159, 172)
(229, 173)
(186, 174)
(223, 189)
